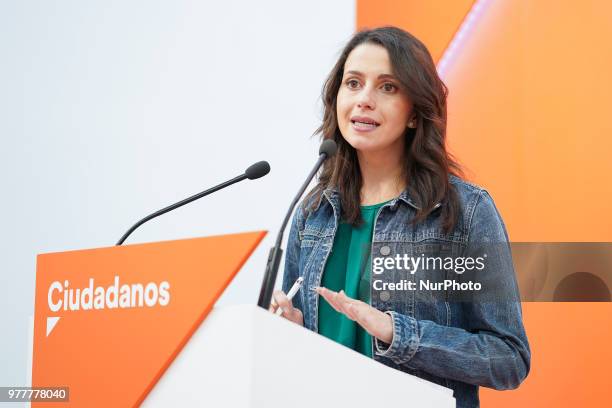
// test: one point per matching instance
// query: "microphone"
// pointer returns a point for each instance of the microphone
(328, 149)
(254, 171)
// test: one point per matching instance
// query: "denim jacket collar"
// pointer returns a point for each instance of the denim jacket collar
(332, 195)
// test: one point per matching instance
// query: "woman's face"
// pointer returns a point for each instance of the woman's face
(373, 112)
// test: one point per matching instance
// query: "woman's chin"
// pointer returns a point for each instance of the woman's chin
(361, 141)
(365, 143)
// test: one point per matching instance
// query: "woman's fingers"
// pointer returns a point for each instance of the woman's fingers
(345, 302)
(329, 296)
(273, 305)
(282, 301)
(288, 311)
(355, 309)
(373, 321)
(337, 300)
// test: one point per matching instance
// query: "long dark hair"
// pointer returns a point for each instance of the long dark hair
(428, 164)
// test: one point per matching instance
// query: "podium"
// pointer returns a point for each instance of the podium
(131, 325)
(244, 356)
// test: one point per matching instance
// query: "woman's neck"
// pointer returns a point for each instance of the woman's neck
(383, 177)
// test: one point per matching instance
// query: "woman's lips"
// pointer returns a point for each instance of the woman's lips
(363, 127)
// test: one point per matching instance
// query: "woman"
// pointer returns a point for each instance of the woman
(390, 196)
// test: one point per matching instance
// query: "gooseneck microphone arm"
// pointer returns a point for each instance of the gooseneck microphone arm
(327, 149)
(180, 204)
(255, 171)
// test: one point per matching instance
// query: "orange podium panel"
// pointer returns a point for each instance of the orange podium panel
(109, 321)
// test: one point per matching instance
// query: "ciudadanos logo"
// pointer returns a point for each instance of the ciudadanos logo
(61, 296)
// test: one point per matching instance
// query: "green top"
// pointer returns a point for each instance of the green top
(348, 268)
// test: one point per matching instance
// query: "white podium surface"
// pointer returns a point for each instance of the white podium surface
(244, 356)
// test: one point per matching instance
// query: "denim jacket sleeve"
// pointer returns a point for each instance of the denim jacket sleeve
(292, 256)
(491, 347)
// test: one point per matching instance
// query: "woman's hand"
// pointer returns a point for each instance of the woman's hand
(375, 322)
(289, 312)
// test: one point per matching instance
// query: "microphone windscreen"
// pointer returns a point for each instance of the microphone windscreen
(257, 170)
(328, 147)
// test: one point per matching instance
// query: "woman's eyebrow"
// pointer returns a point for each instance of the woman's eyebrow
(381, 76)
(389, 76)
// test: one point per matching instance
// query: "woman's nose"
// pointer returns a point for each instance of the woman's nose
(365, 99)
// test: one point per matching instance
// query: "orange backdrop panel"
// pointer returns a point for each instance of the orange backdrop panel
(418, 15)
(528, 118)
(570, 356)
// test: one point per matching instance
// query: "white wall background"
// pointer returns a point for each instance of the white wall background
(113, 109)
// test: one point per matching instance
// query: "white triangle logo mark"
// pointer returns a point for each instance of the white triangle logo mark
(51, 322)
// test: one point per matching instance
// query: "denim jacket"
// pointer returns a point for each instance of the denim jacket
(455, 342)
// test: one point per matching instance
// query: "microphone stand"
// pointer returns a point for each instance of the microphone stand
(276, 253)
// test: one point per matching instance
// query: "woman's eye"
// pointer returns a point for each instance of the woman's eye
(389, 87)
(352, 83)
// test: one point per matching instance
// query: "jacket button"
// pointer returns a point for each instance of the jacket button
(385, 250)
(384, 296)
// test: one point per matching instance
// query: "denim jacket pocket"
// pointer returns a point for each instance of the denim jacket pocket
(310, 236)
(391, 280)
(435, 258)
(409, 278)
